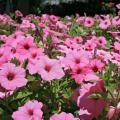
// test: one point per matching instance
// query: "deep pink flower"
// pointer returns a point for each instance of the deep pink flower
(63, 116)
(12, 77)
(49, 69)
(53, 18)
(30, 111)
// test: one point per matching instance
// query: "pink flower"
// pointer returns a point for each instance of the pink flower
(4, 56)
(78, 39)
(63, 116)
(30, 111)
(18, 13)
(49, 69)
(97, 65)
(24, 46)
(75, 57)
(83, 73)
(83, 112)
(53, 18)
(61, 25)
(117, 46)
(71, 43)
(4, 92)
(94, 106)
(116, 20)
(116, 35)
(12, 77)
(101, 42)
(111, 112)
(118, 6)
(90, 45)
(89, 22)
(104, 24)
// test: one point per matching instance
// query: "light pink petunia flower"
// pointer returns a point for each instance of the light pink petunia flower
(30, 111)
(63, 116)
(89, 22)
(49, 69)
(94, 106)
(12, 77)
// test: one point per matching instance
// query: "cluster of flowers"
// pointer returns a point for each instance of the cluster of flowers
(86, 49)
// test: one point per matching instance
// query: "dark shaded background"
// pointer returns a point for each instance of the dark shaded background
(91, 7)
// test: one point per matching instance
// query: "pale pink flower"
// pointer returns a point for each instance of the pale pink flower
(30, 111)
(89, 22)
(78, 39)
(116, 20)
(4, 56)
(24, 46)
(97, 65)
(104, 24)
(49, 69)
(71, 43)
(101, 41)
(94, 106)
(90, 45)
(117, 46)
(111, 113)
(4, 93)
(63, 116)
(12, 77)
(118, 6)
(61, 25)
(75, 57)
(83, 73)
(83, 112)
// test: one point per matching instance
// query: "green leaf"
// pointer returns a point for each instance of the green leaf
(24, 65)
(15, 61)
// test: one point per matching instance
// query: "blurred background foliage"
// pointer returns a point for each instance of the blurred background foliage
(59, 7)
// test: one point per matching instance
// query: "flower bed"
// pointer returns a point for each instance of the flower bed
(54, 68)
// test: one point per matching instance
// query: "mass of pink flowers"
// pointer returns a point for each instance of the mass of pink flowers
(54, 68)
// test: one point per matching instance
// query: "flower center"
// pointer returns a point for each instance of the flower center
(1, 55)
(77, 61)
(79, 71)
(47, 68)
(26, 46)
(89, 22)
(34, 55)
(95, 69)
(10, 76)
(30, 112)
